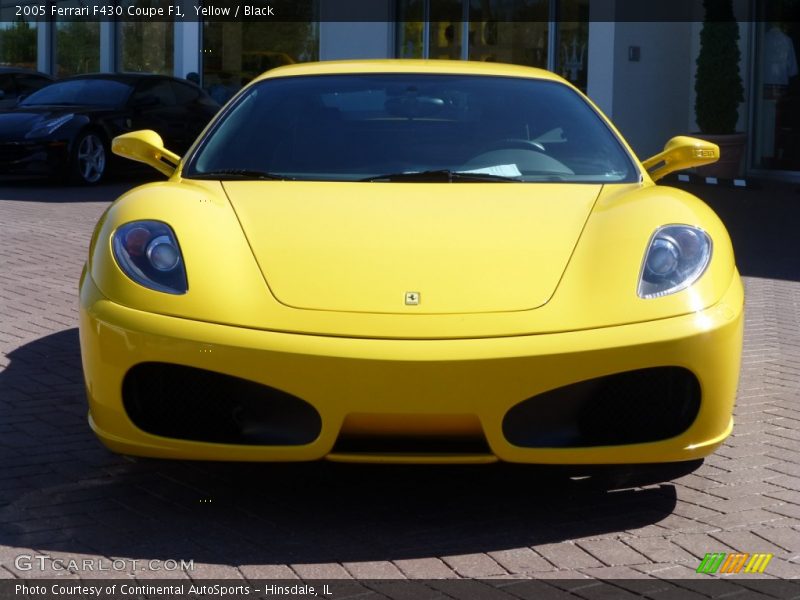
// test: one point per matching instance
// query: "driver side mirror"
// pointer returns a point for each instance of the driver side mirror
(146, 146)
(681, 153)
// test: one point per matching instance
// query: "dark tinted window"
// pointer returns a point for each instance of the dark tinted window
(350, 127)
(30, 83)
(7, 85)
(184, 93)
(158, 89)
(81, 92)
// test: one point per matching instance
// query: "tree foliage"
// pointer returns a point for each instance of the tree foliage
(718, 84)
(18, 44)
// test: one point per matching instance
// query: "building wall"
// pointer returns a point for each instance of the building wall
(649, 95)
(346, 40)
(340, 40)
(600, 85)
(653, 99)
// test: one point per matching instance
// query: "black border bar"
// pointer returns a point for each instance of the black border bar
(621, 11)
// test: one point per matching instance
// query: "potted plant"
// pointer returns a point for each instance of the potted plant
(718, 87)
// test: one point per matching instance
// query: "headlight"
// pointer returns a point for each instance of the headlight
(49, 126)
(148, 253)
(676, 257)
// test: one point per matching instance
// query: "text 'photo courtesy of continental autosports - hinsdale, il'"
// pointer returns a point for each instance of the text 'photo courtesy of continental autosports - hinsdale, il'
(411, 261)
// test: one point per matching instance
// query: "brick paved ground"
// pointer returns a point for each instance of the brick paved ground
(63, 495)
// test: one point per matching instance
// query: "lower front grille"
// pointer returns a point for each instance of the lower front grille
(410, 445)
(646, 405)
(186, 403)
(411, 434)
(13, 152)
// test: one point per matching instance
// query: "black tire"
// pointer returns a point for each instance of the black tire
(89, 160)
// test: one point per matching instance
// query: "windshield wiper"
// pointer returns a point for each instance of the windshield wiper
(245, 174)
(442, 175)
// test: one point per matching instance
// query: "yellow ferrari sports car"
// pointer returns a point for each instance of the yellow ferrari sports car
(411, 261)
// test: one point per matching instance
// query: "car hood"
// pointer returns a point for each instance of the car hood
(412, 247)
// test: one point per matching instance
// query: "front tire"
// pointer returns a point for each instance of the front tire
(89, 159)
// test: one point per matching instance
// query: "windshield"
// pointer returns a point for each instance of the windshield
(80, 92)
(411, 127)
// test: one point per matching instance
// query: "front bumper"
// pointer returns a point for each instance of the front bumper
(411, 387)
(34, 158)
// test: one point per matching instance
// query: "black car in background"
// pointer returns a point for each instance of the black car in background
(65, 129)
(18, 83)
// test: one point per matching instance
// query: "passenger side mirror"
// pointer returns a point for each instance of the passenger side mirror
(146, 146)
(681, 153)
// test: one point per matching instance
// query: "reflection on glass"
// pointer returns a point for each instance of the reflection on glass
(236, 52)
(410, 26)
(403, 126)
(573, 41)
(18, 44)
(509, 32)
(446, 29)
(77, 44)
(147, 46)
(777, 126)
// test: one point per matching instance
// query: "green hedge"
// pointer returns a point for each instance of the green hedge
(717, 83)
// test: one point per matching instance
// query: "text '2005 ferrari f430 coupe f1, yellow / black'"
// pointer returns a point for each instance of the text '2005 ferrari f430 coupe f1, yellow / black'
(411, 261)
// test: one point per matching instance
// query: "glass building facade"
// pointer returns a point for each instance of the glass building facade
(547, 34)
(235, 52)
(775, 144)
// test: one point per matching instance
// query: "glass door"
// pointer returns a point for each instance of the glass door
(776, 139)
(549, 34)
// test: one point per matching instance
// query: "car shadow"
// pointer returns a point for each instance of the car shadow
(63, 492)
(43, 190)
(762, 223)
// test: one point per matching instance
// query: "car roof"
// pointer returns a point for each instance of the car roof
(432, 67)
